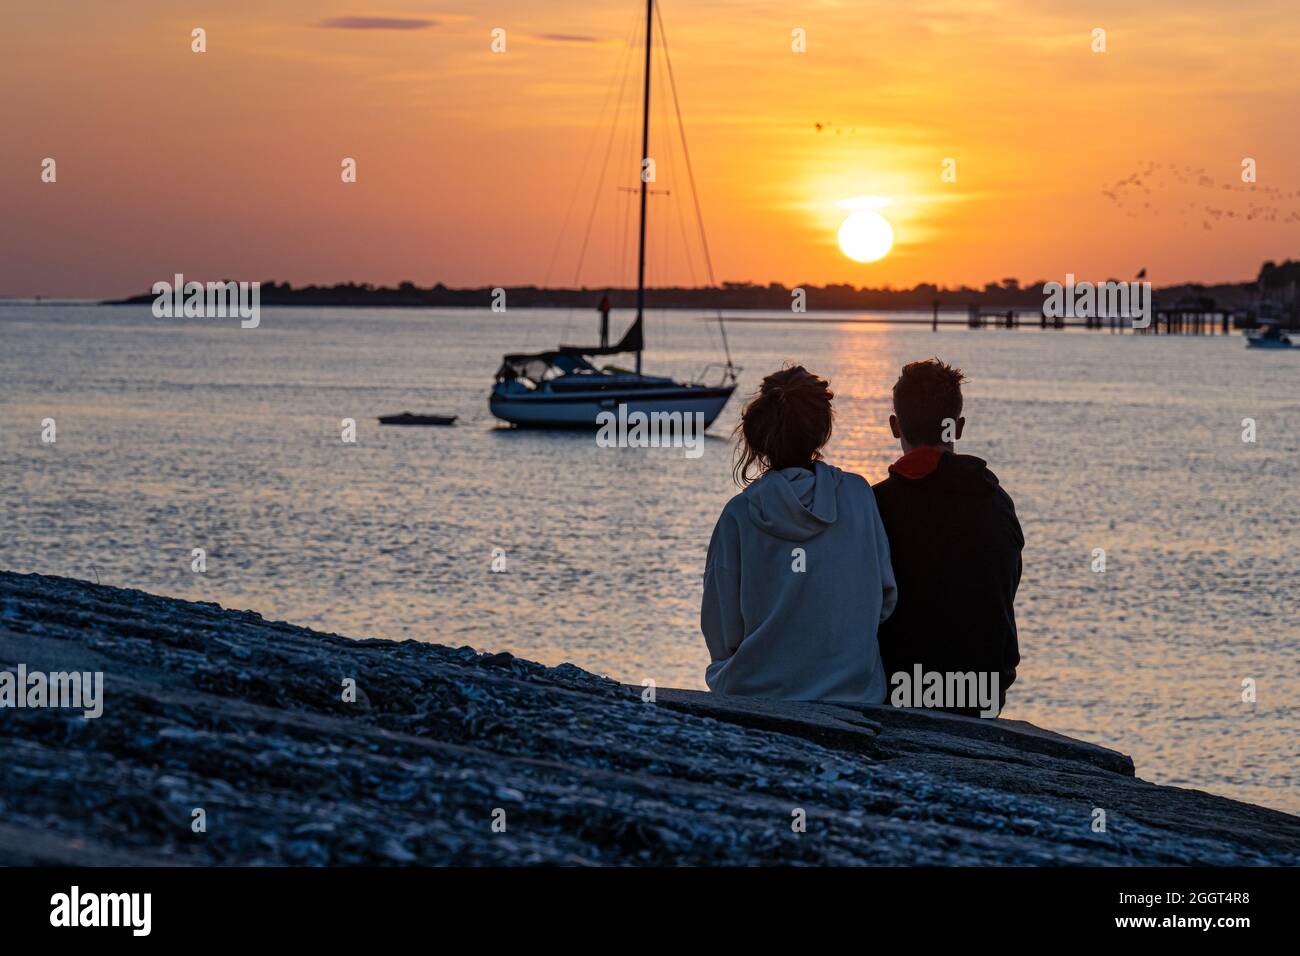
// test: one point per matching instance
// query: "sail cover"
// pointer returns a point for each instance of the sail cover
(632, 341)
(566, 358)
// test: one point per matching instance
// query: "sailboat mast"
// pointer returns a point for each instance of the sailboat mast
(645, 154)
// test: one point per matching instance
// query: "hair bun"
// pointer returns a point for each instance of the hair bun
(785, 424)
(791, 381)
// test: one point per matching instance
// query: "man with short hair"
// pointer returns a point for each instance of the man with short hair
(954, 541)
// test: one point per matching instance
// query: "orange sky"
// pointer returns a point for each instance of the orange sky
(226, 163)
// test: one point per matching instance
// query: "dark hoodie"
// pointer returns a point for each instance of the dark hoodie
(955, 544)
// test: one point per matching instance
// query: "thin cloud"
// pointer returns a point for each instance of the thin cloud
(376, 23)
(565, 38)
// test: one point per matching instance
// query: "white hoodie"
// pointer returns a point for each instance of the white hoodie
(796, 582)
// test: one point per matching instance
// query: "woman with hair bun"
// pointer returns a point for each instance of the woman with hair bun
(797, 577)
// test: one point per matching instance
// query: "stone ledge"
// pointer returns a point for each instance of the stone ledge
(244, 717)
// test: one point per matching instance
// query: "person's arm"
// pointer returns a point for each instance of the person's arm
(721, 621)
(1011, 650)
(889, 598)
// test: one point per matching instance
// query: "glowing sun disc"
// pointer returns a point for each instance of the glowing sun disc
(866, 235)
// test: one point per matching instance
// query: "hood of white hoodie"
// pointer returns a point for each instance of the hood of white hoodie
(795, 504)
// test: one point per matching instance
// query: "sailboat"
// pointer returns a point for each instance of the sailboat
(562, 388)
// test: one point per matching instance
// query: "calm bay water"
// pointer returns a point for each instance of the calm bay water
(176, 434)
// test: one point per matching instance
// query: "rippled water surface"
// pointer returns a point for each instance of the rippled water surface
(176, 434)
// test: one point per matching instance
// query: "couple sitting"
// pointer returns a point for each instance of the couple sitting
(816, 588)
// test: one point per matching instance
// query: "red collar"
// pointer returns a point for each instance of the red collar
(918, 462)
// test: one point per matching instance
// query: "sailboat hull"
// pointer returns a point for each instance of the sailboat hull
(580, 411)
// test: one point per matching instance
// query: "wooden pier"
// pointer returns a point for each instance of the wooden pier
(977, 318)
(1202, 317)
(1187, 317)
(1177, 321)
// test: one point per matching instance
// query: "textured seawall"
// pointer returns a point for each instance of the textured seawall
(245, 719)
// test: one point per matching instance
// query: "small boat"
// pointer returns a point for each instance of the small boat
(409, 418)
(1268, 336)
(561, 388)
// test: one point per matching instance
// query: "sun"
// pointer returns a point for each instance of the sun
(865, 235)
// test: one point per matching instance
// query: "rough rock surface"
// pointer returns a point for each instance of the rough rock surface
(222, 710)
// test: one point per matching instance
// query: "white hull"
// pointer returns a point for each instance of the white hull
(544, 411)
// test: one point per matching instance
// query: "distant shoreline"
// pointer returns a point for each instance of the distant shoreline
(1275, 283)
(949, 316)
(741, 296)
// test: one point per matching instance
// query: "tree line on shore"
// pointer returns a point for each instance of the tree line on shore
(1275, 281)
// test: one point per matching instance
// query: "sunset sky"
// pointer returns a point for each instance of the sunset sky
(227, 163)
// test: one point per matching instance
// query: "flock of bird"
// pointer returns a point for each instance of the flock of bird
(1157, 186)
